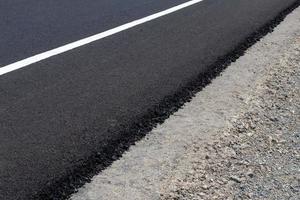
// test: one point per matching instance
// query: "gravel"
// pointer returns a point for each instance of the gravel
(258, 156)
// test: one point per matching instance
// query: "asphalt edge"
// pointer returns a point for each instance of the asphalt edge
(65, 186)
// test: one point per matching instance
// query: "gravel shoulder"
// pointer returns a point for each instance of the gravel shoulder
(239, 138)
(258, 156)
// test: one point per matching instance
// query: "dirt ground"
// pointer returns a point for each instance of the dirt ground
(258, 156)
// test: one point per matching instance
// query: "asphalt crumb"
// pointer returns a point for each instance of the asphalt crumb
(258, 155)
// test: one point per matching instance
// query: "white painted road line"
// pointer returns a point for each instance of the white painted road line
(42, 56)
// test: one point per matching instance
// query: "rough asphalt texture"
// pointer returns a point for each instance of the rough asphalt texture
(244, 145)
(66, 118)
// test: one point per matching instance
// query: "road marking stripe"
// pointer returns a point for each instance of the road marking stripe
(73, 45)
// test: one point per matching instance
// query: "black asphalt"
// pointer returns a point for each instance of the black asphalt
(57, 114)
(29, 27)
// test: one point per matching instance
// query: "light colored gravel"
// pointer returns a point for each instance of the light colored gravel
(237, 139)
(258, 156)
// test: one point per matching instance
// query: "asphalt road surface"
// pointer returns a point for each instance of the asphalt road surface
(55, 114)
